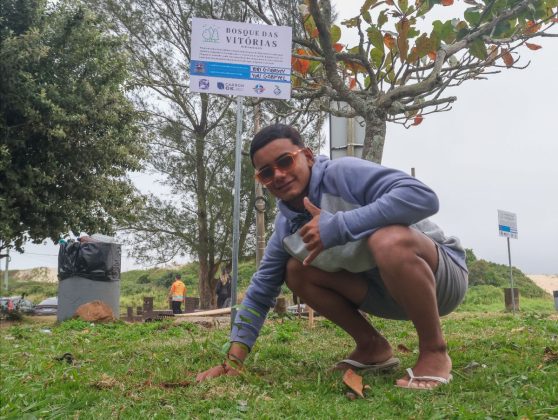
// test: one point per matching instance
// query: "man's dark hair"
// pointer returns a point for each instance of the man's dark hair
(276, 131)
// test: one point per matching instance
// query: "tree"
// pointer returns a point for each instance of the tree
(193, 140)
(402, 64)
(68, 132)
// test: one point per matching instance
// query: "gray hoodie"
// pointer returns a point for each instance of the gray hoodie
(356, 198)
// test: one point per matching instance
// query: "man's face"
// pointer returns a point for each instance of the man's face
(289, 184)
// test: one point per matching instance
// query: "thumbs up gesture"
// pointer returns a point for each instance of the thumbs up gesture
(310, 232)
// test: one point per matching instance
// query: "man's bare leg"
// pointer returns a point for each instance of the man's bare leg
(337, 297)
(407, 260)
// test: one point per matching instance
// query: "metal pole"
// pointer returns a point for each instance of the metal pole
(236, 209)
(511, 276)
(260, 202)
(260, 224)
(350, 137)
(6, 271)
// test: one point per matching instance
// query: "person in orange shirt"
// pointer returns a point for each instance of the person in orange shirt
(177, 295)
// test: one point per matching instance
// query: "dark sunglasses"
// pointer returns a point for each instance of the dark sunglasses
(284, 162)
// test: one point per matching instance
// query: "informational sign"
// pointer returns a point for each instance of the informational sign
(346, 135)
(241, 59)
(507, 224)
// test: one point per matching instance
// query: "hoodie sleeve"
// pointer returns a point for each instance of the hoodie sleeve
(260, 295)
(385, 197)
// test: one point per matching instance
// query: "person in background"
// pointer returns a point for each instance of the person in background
(177, 294)
(223, 289)
(351, 236)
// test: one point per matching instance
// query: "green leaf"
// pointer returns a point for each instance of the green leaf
(366, 16)
(351, 23)
(413, 33)
(498, 7)
(472, 15)
(503, 29)
(444, 31)
(382, 18)
(377, 55)
(354, 50)
(425, 7)
(462, 33)
(335, 32)
(309, 24)
(403, 5)
(367, 5)
(314, 65)
(478, 49)
(375, 37)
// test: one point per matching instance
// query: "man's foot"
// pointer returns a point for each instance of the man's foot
(434, 364)
(377, 351)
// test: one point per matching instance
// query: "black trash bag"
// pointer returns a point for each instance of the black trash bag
(98, 261)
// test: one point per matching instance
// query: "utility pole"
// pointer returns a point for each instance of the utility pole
(260, 203)
(350, 137)
(7, 256)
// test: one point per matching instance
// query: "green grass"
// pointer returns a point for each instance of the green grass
(119, 370)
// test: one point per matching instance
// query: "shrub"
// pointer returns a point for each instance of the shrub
(143, 279)
(482, 272)
(483, 295)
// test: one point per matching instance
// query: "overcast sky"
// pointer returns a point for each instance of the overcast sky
(496, 149)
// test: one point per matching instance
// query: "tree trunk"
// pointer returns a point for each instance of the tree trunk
(375, 136)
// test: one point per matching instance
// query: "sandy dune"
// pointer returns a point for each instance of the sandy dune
(546, 282)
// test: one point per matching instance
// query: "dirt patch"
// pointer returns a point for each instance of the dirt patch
(548, 283)
(47, 320)
(207, 321)
(39, 274)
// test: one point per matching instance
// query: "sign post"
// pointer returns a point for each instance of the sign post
(507, 226)
(346, 135)
(242, 59)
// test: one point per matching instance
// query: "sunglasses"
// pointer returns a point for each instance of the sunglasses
(284, 162)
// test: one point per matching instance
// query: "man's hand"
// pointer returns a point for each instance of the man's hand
(217, 371)
(232, 365)
(310, 233)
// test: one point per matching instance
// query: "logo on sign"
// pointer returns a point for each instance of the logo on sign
(259, 88)
(210, 34)
(204, 84)
(199, 68)
(220, 85)
(277, 90)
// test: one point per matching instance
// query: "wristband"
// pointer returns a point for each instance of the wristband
(231, 364)
(242, 345)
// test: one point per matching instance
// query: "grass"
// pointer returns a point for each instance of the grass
(147, 370)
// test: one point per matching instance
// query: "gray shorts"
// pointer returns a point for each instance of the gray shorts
(451, 286)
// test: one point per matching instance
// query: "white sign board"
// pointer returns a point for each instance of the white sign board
(507, 224)
(346, 135)
(242, 59)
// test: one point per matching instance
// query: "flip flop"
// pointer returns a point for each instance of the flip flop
(386, 365)
(412, 377)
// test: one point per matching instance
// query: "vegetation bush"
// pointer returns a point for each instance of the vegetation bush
(34, 291)
(486, 281)
(483, 295)
(143, 279)
(482, 272)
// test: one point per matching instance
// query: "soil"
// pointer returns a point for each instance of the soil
(546, 282)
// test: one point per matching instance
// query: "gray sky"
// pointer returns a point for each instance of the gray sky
(496, 149)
